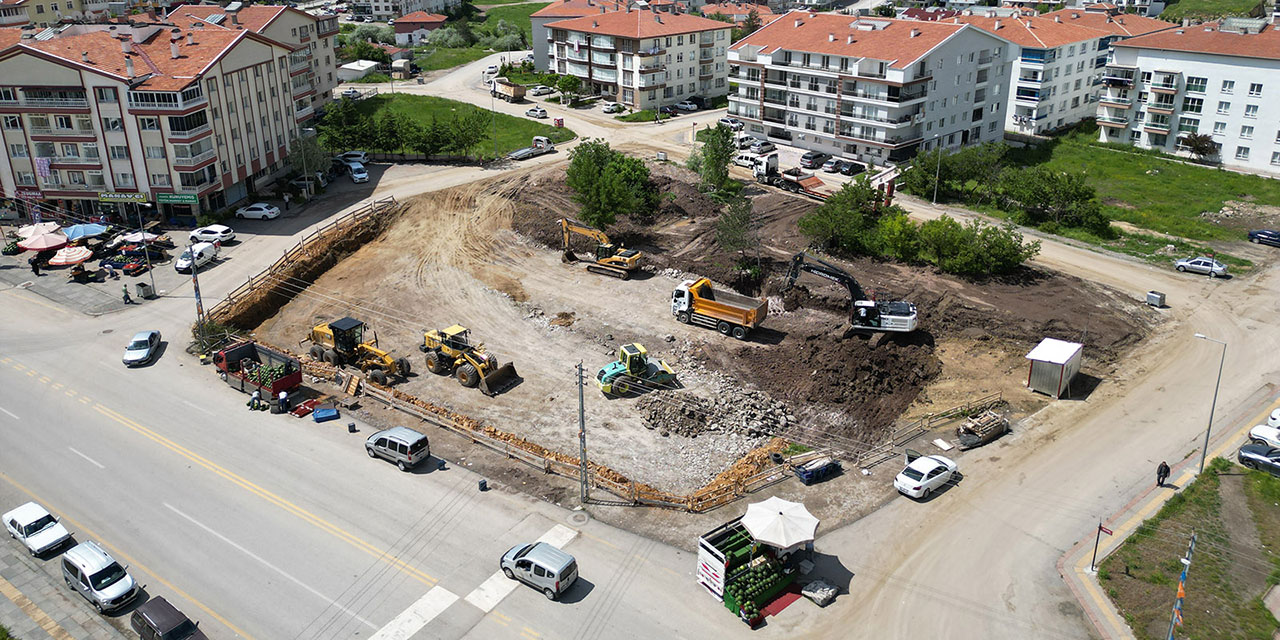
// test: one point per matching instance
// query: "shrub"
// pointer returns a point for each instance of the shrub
(449, 37)
(898, 237)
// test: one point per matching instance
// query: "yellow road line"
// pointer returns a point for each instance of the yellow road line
(499, 618)
(70, 392)
(18, 366)
(45, 379)
(57, 385)
(6, 360)
(31, 372)
(272, 498)
(530, 633)
(116, 552)
(85, 400)
(34, 612)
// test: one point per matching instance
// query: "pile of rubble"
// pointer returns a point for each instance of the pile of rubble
(731, 409)
(1235, 209)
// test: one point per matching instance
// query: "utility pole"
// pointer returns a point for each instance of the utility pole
(195, 287)
(1212, 407)
(584, 487)
(937, 174)
(146, 247)
(1175, 619)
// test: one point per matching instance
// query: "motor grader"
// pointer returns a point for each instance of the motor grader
(342, 342)
(450, 352)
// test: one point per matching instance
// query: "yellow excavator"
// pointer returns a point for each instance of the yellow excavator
(610, 259)
(342, 342)
(450, 352)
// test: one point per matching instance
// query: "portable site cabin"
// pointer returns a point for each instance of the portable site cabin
(1053, 364)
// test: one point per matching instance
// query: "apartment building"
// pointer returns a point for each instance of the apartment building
(188, 116)
(871, 89)
(1110, 19)
(313, 39)
(556, 11)
(1220, 78)
(44, 13)
(1054, 66)
(383, 10)
(642, 58)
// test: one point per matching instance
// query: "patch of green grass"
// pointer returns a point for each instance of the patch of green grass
(1141, 576)
(1207, 9)
(485, 3)
(443, 58)
(512, 132)
(1145, 246)
(5, 635)
(554, 99)
(1149, 190)
(643, 115)
(373, 78)
(517, 14)
(1263, 492)
(530, 78)
(795, 449)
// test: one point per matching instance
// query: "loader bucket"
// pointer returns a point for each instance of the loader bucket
(500, 380)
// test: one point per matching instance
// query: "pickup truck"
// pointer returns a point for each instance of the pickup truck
(541, 145)
(248, 365)
(695, 302)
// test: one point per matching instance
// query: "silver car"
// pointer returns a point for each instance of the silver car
(401, 445)
(142, 348)
(94, 574)
(542, 566)
(1208, 266)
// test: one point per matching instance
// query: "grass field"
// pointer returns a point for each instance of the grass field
(487, 3)
(1152, 191)
(1224, 582)
(643, 115)
(1207, 9)
(440, 58)
(512, 132)
(517, 14)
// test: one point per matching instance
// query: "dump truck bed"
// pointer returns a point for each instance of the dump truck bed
(726, 305)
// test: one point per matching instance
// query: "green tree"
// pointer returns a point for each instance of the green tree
(569, 87)
(344, 126)
(918, 179)
(941, 239)
(394, 132)
(454, 36)
(466, 130)
(1201, 145)
(306, 156)
(898, 237)
(1046, 196)
(736, 228)
(431, 139)
(364, 51)
(717, 152)
(976, 170)
(373, 33)
(752, 23)
(606, 183)
(846, 220)
(885, 11)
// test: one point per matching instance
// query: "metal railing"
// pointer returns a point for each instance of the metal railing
(191, 132)
(48, 131)
(191, 161)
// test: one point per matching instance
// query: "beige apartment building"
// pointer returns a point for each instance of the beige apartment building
(189, 116)
(642, 58)
(44, 13)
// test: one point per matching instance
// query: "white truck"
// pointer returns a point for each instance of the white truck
(541, 145)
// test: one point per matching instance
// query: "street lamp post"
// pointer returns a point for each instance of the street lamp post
(937, 174)
(1205, 451)
(146, 248)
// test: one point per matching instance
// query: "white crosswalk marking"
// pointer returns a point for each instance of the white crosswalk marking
(498, 586)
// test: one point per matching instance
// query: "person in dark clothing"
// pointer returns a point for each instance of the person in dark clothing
(35, 266)
(1162, 473)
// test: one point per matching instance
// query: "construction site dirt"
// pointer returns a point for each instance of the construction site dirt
(487, 256)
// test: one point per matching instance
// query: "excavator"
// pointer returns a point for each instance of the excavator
(342, 342)
(866, 314)
(450, 352)
(610, 259)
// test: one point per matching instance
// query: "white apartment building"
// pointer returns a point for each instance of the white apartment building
(383, 10)
(643, 58)
(871, 89)
(1221, 79)
(556, 11)
(312, 37)
(188, 116)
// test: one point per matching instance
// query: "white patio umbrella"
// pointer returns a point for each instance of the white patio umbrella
(780, 523)
(37, 229)
(138, 236)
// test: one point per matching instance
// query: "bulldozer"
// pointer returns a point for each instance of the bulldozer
(633, 368)
(342, 342)
(450, 352)
(609, 259)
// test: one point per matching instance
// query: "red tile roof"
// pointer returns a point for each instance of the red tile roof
(1035, 33)
(576, 8)
(639, 24)
(255, 16)
(735, 9)
(421, 17)
(1206, 38)
(388, 48)
(892, 43)
(1125, 24)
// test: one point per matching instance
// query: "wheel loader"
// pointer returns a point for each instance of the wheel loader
(450, 352)
(342, 342)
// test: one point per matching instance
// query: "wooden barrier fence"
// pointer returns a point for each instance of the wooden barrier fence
(905, 434)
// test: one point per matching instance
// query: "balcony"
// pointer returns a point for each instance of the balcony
(650, 68)
(13, 18)
(1113, 101)
(1167, 88)
(1156, 127)
(190, 133)
(774, 119)
(1113, 121)
(298, 64)
(901, 98)
(70, 187)
(603, 45)
(651, 52)
(191, 161)
(775, 100)
(1036, 79)
(73, 160)
(986, 60)
(897, 121)
(48, 103)
(705, 75)
(46, 131)
(1118, 77)
(777, 82)
(1027, 99)
(1160, 107)
(180, 105)
(303, 113)
(301, 89)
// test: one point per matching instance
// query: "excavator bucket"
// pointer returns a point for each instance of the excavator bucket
(499, 380)
(568, 257)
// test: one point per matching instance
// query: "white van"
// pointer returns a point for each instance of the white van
(747, 160)
(92, 573)
(201, 253)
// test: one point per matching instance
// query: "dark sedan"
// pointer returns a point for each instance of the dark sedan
(1265, 236)
(851, 168)
(1261, 457)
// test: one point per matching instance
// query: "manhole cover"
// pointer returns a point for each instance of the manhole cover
(579, 518)
(106, 331)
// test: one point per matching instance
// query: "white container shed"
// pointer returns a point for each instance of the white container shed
(1053, 364)
(356, 70)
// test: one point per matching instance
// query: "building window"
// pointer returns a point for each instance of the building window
(154, 152)
(105, 94)
(1197, 84)
(1251, 111)
(1219, 128)
(149, 123)
(160, 179)
(70, 150)
(1188, 125)
(1228, 86)
(1224, 107)
(1192, 105)
(12, 122)
(112, 124)
(95, 179)
(1246, 132)
(1255, 89)
(75, 177)
(1275, 157)
(90, 150)
(26, 178)
(18, 150)
(119, 152)
(1135, 136)
(124, 179)
(1242, 153)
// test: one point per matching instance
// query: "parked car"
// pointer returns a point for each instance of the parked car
(355, 156)
(686, 106)
(1274, 419)
(199, 254)
(763, 146)
(358, 173)
(403, 446)
(258, 210)
(1209, 266)
(924, 475)
(156, 619)
(541, 90)
(612, 107)
(733, 124)
(813, 159)
(95, 575)
(351, 92)
(528, 57)
(212, 233)
(1265, 236)
(541, 566)
(536, 112)
(1263, 434)
(491, 70)
(36, 528)
(1262, 457)
(142, 348)
(852, 168)
(833, 165)
(669, 110)
(744, 141)
(747, 160)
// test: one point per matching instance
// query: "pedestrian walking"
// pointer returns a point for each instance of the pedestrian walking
(255, 400)
(1162, 473)
(111, 272)
(125, 289)
(284, 400)
(35, 266)
(287, 197)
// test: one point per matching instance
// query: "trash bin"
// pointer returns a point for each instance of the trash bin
(144, 290)
(1155, 299)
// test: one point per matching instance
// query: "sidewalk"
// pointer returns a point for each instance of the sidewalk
(1074, 565)
(36, 606)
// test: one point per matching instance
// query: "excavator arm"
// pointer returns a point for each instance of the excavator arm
(818, 267)
(569, 227)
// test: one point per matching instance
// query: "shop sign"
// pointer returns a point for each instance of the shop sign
(177, 198)
(28, 194)
(112, 196)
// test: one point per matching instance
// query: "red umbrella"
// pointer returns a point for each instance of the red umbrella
(44, 242)
(67, 256)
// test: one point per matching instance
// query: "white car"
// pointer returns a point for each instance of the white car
(213, 233)
(536, 112)
(1274, 419)
(733, 124)
(747, 160)
(354, 156)
(924, 475)
(36, 528)
(491, 70)
(259, 210)
(686, 106)
(351, 92)
(612, 107)
(200, 254)
(359, 173)
(1265, 434)
(541, 90)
